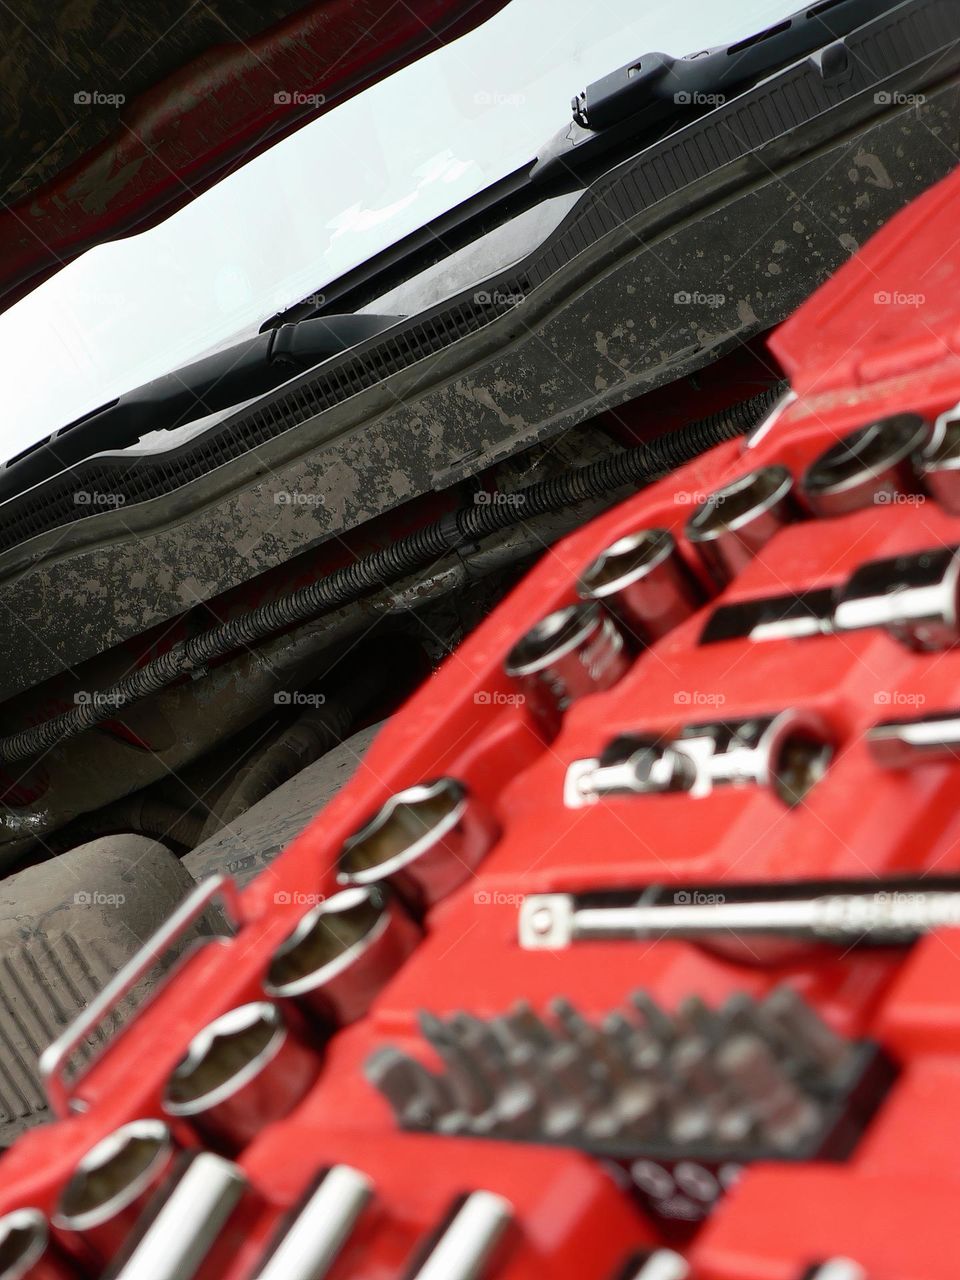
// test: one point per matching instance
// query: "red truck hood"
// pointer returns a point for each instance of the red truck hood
(116, 119)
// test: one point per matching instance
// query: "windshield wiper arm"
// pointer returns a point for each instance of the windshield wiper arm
(219, 381)
(658, 91)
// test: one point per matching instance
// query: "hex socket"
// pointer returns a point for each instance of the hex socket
(642, 579)
(425, 840)
(869, 466)
(243, 1071)
(341, 953)
(734, 522)
(112, 1182)
(26, 1251)
(566, 655)
(787, 752)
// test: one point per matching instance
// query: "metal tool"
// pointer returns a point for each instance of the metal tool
(110, 1185)
(425, 840)
(789, 617)
(662, 1264)
(241, 1072)
(26, 1251)
(903, 744)
(566, 655)
(630, 765)
(643, 580)
(182, 1226)
(836, 1269)
(939, 461)
(733, 523)
(855, 913)
(872, 465)
(419, 1099)
(749, 1078)
(469, 1244)
(341, 953)
(914, 597)
(308, 1246)
(788, 752)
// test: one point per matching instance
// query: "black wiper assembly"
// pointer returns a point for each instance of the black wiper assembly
(218, 381)
(658, 91)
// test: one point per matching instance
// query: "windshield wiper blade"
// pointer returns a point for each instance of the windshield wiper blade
(219, 381)
(658, 91)
(623, 112)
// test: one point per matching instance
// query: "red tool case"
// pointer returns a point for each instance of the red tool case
(881, 337)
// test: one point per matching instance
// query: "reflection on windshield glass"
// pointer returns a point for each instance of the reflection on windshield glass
(318, 203)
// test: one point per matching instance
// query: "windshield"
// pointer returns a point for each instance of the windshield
(327, 198)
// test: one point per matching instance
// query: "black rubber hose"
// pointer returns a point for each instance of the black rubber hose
(419, 550)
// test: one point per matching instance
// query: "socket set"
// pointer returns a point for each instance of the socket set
(704, 1088)
(622, 908)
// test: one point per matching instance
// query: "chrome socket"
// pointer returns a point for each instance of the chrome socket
(644, 582)
(341, 953)
(662, 1264)
(241, 1072)
(837, 1269)
(469, 1245)
(566, 655)
(310, 1244)
(793, 616)
(630, 765)
(787, 752)
(914, 597)
(26, 1252)
(903, 744)
(184, 1221)
(939, 462)
(870, 466)
(733, 523)
(426, 841)
(111, 1184)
